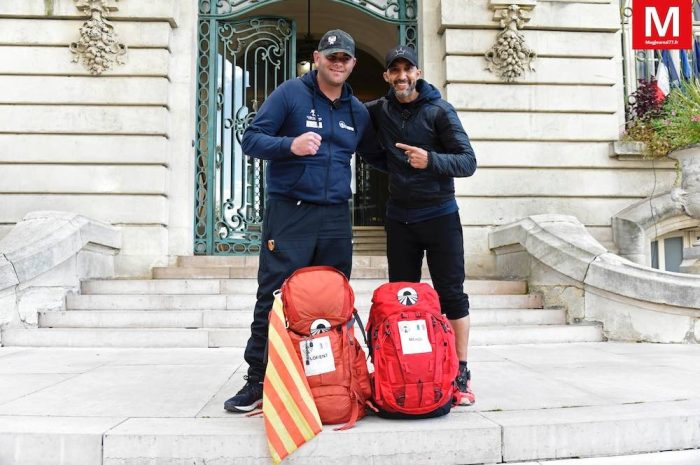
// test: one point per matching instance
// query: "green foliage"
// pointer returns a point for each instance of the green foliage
(679, 122)
(674, 125)
(655, 146)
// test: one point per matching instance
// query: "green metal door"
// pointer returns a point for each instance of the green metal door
(240, 64)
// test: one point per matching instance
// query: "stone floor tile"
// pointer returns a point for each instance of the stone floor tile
(16, 386)
(229, 357)
(510, 386)
(215, 406)
(627, 383)
(56, 360)
(10, 350)
(140, 391)
(550, 354)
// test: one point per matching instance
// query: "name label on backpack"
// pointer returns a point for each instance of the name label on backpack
(317, 356)
(414, 337)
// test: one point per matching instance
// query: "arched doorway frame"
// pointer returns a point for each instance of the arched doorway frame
(213, 232)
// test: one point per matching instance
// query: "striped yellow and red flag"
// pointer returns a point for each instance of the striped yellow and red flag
(291, 417)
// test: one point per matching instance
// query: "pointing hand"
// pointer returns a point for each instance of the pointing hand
(415, 156)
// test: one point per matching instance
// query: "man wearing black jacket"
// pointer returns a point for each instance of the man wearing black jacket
(426, 148)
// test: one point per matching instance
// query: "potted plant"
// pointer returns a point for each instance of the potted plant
(670, 128)
(643, 112)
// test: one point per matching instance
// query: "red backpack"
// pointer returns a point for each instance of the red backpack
(413, 350)
(319, 306)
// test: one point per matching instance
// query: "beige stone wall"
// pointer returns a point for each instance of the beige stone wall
(543, 142)
(115, 147)
(118, 147)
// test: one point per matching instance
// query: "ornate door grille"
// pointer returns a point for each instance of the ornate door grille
(240, 62)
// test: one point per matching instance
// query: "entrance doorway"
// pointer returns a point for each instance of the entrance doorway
(246, 49)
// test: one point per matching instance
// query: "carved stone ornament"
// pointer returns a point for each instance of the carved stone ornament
(510, 56)
(98, 46)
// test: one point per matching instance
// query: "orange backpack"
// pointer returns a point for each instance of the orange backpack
(319, 307)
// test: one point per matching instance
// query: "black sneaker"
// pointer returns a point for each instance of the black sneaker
(463, 382)
(248, 398)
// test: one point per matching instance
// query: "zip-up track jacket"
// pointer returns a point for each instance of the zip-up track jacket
(298, 106)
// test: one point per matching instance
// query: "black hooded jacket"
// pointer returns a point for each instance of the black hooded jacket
(431, 123)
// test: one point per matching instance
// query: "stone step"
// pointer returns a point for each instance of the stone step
(479, 335)
(368, 248)
(360, 231)
(153, 338)
(250, 286)
(191, 272)
(175, 272)
(137, 407)
(464, 437)
(247, 301)
(467, 439)
(380, 240)
(237, 337)
(369, 241)
(675, 457)
(240, 319)
(204, 261)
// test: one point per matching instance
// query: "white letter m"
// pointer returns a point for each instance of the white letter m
(651, 14)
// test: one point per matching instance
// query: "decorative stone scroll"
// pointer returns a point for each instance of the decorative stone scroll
(98, 47)
(510, 56)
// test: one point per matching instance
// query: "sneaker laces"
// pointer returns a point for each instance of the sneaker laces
(250, 385)
(463, 378)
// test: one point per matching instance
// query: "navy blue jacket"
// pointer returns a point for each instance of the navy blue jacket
(298, 106)
(431, 123)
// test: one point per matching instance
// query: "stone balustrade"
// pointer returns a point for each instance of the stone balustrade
(45, 256)
(572, 270)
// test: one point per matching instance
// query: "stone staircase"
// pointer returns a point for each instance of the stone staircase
(542, 393)
(207, 302)
(368, 240)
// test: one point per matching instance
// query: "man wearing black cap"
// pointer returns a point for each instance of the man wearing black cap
(427, 148)
(307, 130)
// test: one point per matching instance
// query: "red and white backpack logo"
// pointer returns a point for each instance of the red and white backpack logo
(662, 24)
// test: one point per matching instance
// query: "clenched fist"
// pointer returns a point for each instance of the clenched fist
(306, 144)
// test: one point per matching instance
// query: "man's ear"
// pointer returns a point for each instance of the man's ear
(419, 73)
(317, 56)
(385, 75)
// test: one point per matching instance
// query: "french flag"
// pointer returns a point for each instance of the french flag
(666, 76)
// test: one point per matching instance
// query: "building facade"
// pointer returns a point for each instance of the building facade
(142, 131)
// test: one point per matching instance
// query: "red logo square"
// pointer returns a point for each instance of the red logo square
(662, 24)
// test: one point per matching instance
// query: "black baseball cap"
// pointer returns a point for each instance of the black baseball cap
(407, 53)
(335, 41)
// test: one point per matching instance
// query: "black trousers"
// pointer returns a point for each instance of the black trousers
(441, 239)
(304, 234)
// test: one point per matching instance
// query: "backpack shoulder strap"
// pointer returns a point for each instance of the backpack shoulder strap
(356, 317)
